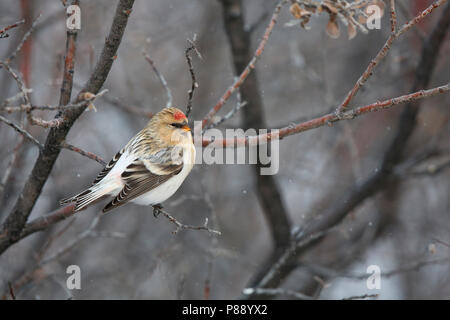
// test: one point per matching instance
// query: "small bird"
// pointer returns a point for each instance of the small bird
(149, 169)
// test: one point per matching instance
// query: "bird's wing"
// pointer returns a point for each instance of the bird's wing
(145, 174)
(108, 167)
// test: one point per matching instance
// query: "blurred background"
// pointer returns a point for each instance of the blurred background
(403, 228)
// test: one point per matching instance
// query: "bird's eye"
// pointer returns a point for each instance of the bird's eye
(177, 125)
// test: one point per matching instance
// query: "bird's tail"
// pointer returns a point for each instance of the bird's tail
(85, 198)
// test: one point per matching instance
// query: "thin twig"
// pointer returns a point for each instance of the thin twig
(160, 77)
(405, 12)
(87, 154)
(33, 120)
(419, 17)
(23, 107)
(84, 99)
(14, 98)
(12, 229)
(69, 64)
(431, 169)
(8, 170)
(230, 114)
(44, 222)
(22, 131)
(338, 210)
(327, 119)
(25, 37)
(441, 242)
(393, 17)
(41, 261)
(3, 33)
(51, 239)
(385, 49)
(24, 91)
(299, 241)
(250, 66)
(86, 233)
(11, 291)
(157, 210)
(194, 84)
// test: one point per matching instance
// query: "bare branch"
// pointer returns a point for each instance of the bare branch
(12, 228)
(25, 37)
(393, 17)
(337, 211)
(3, 33)
(69, 64)
(8, 170)
(44, 222)
(160, 77)
(86, 233)
(11, 291)
(23, 132)
(23, 90)
(230, 114)
(87, 154)
(385, 49)
(250, 66)
(194, 84)
(419, 17)
(268, 193)
(87, 97)
(24, 94)
(157, 210)
(42, 262)
(327, 119)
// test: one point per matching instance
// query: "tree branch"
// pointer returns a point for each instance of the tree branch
(3, 33)
(25, 37)
(157, 210)
(385, 49)
(194, 83)
(22, 131)
(16, 220)
(327, 119)
(86, 154)
(336, 212)
(160, 77)
(250, 66)
(267, 191)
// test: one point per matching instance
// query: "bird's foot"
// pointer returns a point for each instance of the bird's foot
(157, 210)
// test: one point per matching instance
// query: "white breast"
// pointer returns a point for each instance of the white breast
(168, 188)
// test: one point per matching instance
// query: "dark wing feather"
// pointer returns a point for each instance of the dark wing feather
(139, 180)
(100, 176)
(108, 167)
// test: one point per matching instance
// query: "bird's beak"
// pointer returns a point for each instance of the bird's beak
(186, 128)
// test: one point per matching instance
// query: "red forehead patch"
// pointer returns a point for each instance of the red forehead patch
(179, 115)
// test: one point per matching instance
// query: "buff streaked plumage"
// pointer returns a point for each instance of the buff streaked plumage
(149, 169)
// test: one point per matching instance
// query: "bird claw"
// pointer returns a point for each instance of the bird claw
(157, 210)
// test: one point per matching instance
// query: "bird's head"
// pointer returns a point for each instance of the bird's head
(171, 125)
